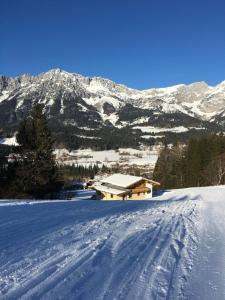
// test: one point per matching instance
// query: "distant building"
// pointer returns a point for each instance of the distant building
(125, 187)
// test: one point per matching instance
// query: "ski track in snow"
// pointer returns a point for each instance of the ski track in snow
(114, 250)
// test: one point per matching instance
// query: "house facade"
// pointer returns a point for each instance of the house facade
(125, 187)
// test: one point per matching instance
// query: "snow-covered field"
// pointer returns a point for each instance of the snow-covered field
(124, 156)
(9, 141)
(152, 129)
(172, 247)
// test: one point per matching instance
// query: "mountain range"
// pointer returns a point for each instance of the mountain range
(87, 111)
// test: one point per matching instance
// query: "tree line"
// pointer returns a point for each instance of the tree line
(78, 172)
(199, 163)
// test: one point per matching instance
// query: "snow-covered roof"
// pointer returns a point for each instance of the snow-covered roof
(125, 181)
(122, 180)
(110, 189)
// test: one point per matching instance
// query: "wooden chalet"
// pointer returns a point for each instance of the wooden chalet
(125, 187)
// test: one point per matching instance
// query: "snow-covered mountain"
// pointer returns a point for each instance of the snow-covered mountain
(86, 103)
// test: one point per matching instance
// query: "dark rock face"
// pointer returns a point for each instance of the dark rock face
(108, 108)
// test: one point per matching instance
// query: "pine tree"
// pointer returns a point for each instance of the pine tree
(162, 170)
(200, 163)
(3, 169)
(36, 173)
(169, 167)
(192, 164)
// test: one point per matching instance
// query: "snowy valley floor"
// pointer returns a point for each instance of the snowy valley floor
(168, 249)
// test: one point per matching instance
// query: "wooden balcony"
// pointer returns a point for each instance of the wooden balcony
(140, 190)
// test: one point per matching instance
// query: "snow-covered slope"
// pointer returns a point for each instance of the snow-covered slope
(9, 141)
(171, 247)
(91, 101)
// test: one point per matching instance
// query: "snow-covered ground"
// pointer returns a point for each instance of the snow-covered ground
(161, 130)
(124, 156)
(9, 141)
(152, 129)
(172, 247)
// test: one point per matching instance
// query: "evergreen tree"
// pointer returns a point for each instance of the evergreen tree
(192, 169)
(200, 163)
(162, 169)
(169, 167)
(36, 173)
(3, 169)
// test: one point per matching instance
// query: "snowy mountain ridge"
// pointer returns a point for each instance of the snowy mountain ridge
(198, 97)
(94, 102)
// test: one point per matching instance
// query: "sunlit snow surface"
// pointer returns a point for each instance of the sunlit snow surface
(168, 249)
(9, 141)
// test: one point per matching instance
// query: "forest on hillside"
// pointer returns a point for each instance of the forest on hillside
(199, 163)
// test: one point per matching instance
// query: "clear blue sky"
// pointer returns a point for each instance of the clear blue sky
(141, 43)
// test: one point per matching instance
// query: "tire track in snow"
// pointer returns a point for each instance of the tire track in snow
(129, 254)
(160, 247)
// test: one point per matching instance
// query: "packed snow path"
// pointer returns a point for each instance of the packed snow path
(168, 249)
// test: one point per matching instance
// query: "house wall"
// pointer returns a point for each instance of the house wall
(141, 190)
(150, 186)
(108, 196)
(138, 193)
(137, 196)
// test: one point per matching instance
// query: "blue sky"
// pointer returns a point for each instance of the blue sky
(141, 43)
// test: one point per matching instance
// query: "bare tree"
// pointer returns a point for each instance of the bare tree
(215, 171)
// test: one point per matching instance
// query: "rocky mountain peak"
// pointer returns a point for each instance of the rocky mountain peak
(71, 96)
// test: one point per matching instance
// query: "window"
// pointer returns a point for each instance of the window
(138, 194)
(149, 191)
(111, 195)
